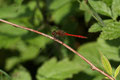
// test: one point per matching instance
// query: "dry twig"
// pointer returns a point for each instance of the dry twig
(68, 47)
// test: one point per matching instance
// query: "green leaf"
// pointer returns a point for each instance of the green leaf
(91, 52)
(109, 48)
(87, 17)
(31, 5)
(38, 17)
(11, 30)
(7, 41)
(53, 70)
(96, 27)
(108, 2)
(58, 4)
(87, 14)
(27, 52)
(11, 62)
(106, 64)
(10, 36)
(116, 9)
(100, 7)
(117, 72)
(5, 10)
(111, 31)
(18, 2)
(21, 74)
(39, 41)
(59, 13)
(11, 10)
(84, 6)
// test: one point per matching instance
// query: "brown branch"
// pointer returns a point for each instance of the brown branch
(68, 47)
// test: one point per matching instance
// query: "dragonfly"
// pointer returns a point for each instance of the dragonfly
(62, 33)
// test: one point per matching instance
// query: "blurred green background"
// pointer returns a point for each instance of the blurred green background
(25, 55)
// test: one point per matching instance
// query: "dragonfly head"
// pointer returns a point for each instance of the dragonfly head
(54, 33)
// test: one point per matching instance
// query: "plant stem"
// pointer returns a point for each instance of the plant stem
(68, 47)
(3, 72)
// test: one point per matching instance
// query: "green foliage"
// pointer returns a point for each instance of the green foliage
(35, 52)
(96, 27)
(11, 62)
(115, 9)
(108, 2)
(21, 74)
(84, 7)
(111, 29)
(18, 2)
(57, 70)
(101, 7)
(38, 17)
(11, 10)
(117, 71)
(106, 64)
(60, 9)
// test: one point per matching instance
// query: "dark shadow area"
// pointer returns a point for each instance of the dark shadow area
(82, 76)
(114, 64)
(115, 42)
(5, 54)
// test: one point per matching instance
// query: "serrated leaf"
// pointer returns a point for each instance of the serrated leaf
(106, 64)
(111, 31)
(96, 27)
(100, 7)
(21, 74)
(117, 71)
(57, 70)
(116, 9)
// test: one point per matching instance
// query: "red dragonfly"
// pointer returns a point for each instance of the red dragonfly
(62, 33)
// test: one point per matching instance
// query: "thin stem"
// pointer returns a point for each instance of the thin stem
(2, 72)
(68, 47)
